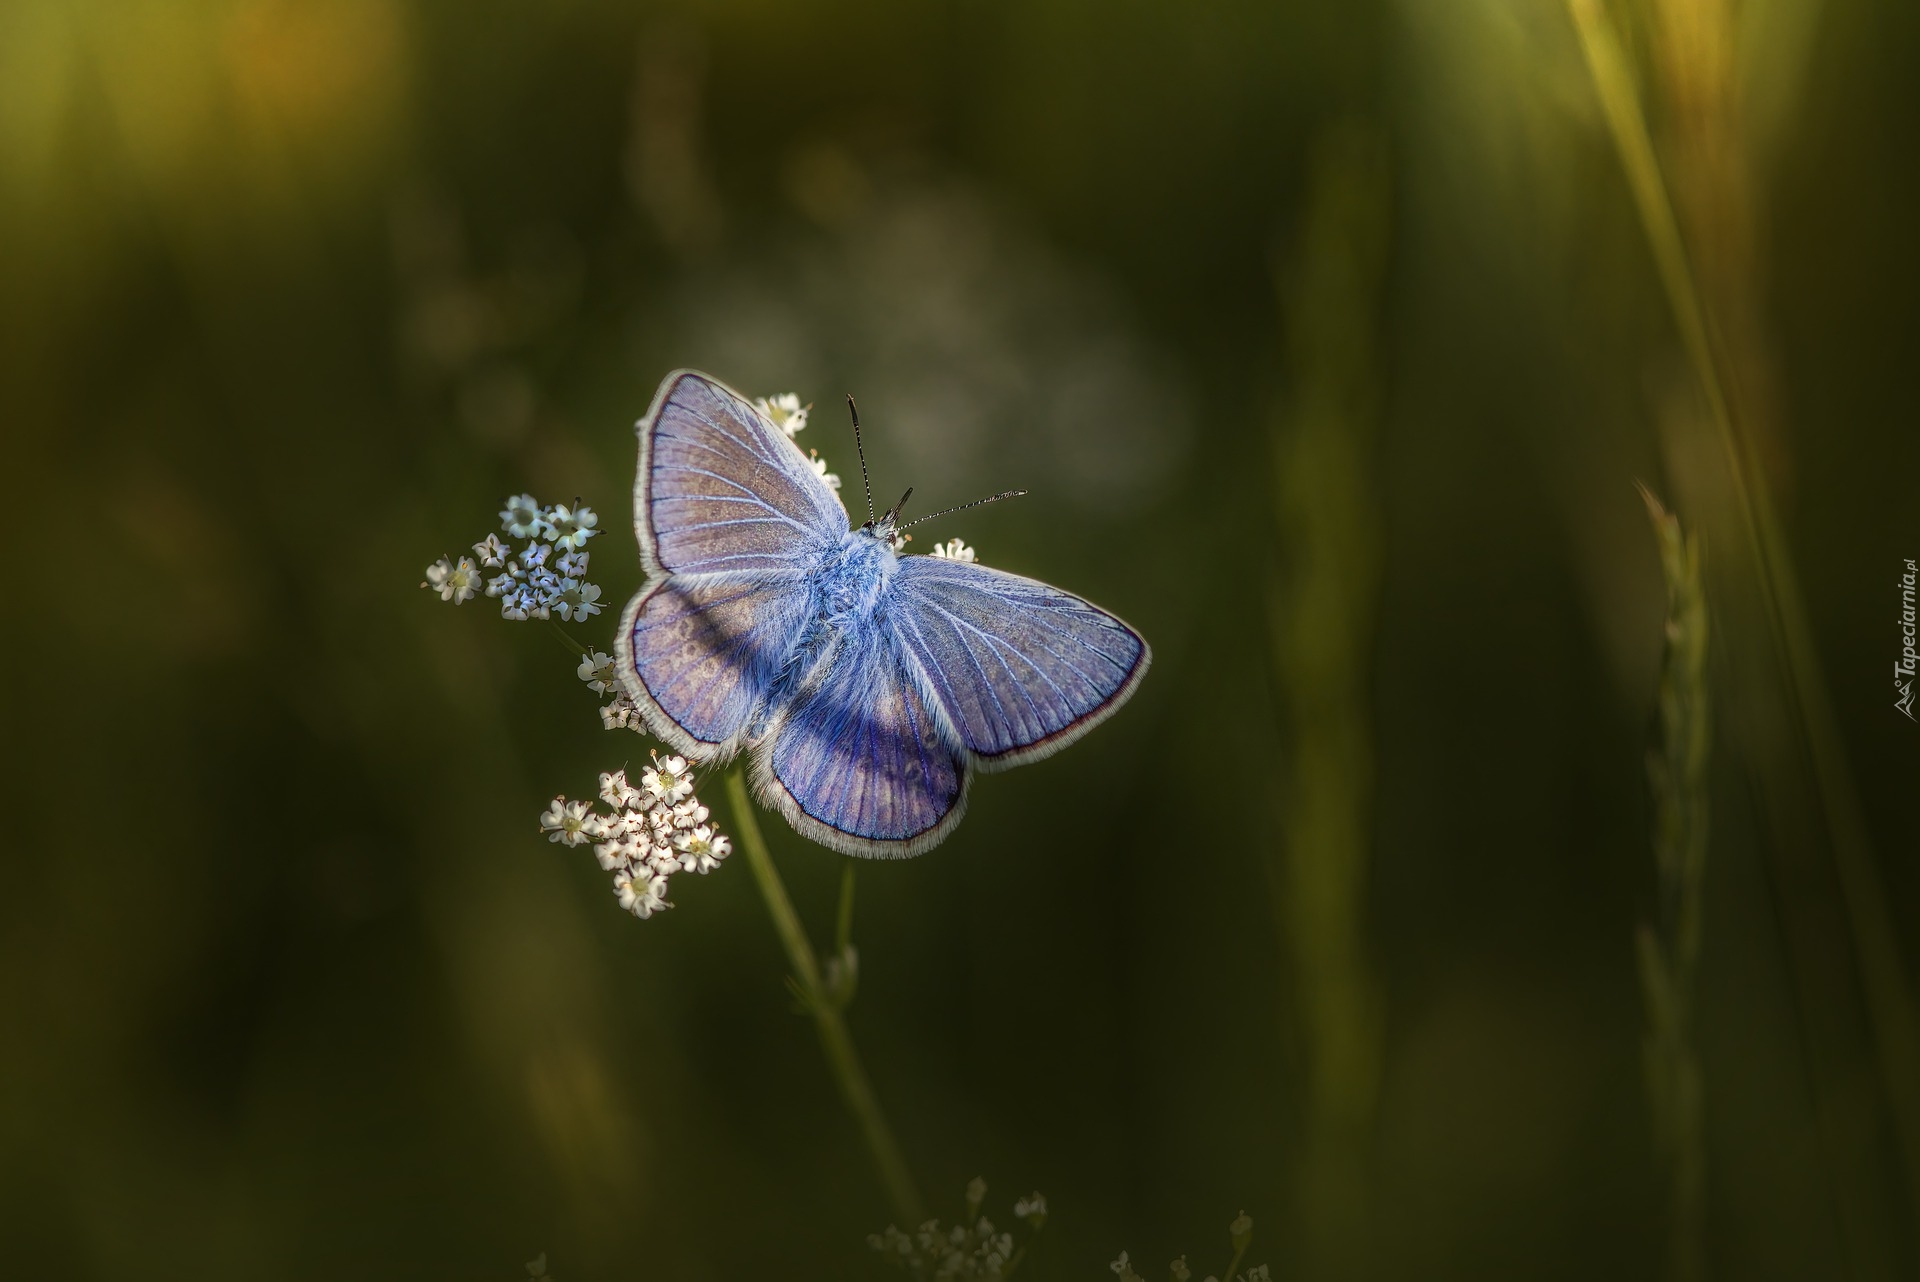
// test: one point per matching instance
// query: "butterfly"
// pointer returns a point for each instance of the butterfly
(867, 687)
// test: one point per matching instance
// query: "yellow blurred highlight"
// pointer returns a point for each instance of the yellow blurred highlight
(194, 88)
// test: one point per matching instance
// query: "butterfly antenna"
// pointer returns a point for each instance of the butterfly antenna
(894, 515)
(865, 484)
(993, 498)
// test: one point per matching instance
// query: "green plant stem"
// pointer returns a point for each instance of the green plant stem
(567, 640)
(843, 923)
(1876, 952)
(1324, 604)
(1669, 947)
(842, 1059)
(1020, 1255)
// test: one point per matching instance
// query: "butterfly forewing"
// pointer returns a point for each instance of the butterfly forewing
(720, 489)
(1021, 668)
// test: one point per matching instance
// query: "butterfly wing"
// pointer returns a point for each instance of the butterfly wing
(1020, 669)
(860, 761)
(699, 651)
(722, 490)
(732, 520)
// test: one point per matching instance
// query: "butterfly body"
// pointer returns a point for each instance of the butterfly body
(853, 578)
(845, 591)
(869, 687)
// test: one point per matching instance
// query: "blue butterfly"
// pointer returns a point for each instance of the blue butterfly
(868, 686)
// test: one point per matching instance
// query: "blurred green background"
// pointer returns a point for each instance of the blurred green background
(1329, 341)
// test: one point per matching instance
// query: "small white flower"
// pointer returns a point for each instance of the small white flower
(662, 858)
(573, 526)
(455, 583)
(642, 891)
(617, 852)
(617, 792)
(535, 556)
(573, 564)
(1259, 1273)
(953, 550)
(785, 412)
(491, 551)
(540, 584)
(566, 821)
(820, 470)
(701, 850)
(501, 584)
(689, 813)
(893, 1241)
(629, 823)
(540, 593)
(1122, 1268)
(668, 781)
(1032, 1209)
(524, 518)
(615, 715)
(575, 600)
(596, 669)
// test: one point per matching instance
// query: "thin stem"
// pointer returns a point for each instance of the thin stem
(843, 925)
(567, 640)
(1020, 1255)
(842, 1059)
(1875, 950)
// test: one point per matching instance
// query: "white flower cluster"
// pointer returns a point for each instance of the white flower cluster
(619, 712)
(953, 550)
(787, 413)
(547, 576)
(1241, 1233)
(820, 470)
(645, 835)
(960, 1252)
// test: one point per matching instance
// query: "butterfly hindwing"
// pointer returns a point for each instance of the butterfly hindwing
(700, 651)
(1020, 668)
(860, 761)
(721, 490)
